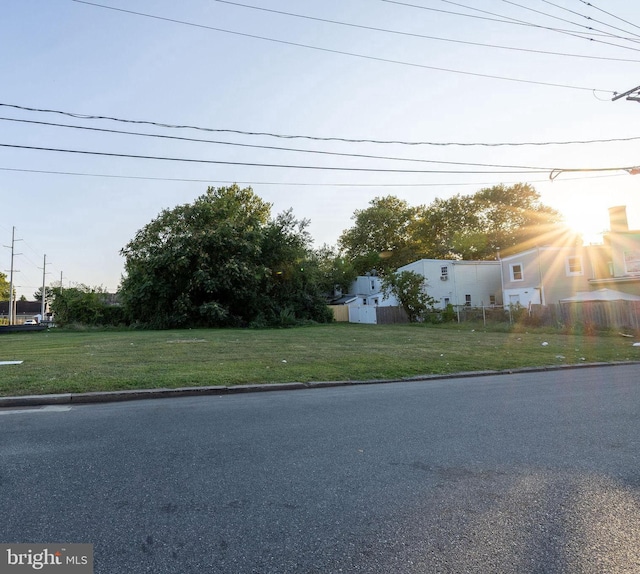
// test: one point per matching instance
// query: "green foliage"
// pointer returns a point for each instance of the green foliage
(84, 305)
(389, 233)
(48, 294)
(477, 226)
(4, 287)
(221, 261)
(336, 271)
(408, 288)
(380, 238)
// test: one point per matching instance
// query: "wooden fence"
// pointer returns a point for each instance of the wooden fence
(591, 314)
(599, 315)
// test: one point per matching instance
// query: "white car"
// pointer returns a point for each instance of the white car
(31, 322)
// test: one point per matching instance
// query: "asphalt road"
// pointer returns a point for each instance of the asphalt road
(523, 473)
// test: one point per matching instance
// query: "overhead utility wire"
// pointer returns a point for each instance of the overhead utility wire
(580, 35)
(609, 13)
(603, 33)
(590, 28)
(343, 53)
(255, 164)
(424, 36)
(285, 183)
(273, 148)
(557, 170)
(313, 138)
(588, 17)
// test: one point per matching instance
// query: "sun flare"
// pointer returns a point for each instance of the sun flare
(588, 222)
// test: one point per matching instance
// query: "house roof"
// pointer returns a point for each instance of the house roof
(344, 300)
(601, 295)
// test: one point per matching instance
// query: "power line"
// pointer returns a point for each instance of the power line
(255, 164)
(513, 21)
(343, 53)
(423, 36)
(556, 170)
(276, 148)
(281, 183)
(588, 17)
(609, 14)
(313, 138)
(573, 23)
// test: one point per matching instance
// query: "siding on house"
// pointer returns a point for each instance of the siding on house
(545, 275)
(471, 283)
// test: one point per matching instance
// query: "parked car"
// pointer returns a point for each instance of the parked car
(30, 322)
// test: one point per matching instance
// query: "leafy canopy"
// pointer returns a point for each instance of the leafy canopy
(389, 233)
(221, 260)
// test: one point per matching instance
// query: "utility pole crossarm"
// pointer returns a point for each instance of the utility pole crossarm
(628, 94)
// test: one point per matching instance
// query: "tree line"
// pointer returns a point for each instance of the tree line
(225, 261)
(390, 233)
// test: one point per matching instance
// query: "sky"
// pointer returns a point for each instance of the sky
(420, 72)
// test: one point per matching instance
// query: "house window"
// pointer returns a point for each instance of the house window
(492, 300)
(446, 301)
(444, 271)
(375, 301)
(364, 300)
(373, 285)
(632, 262)
(574, 266)
(516, 272)
(467, 300)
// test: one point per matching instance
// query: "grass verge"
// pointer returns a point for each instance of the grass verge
(60, 361)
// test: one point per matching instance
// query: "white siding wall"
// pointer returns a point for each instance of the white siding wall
(479, 279)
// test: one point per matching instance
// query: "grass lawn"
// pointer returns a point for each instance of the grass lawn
(60, 361)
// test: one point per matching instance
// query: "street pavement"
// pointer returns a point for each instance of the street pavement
(528, 472)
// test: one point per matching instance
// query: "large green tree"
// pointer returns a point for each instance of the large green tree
(390, 233)
(477, 226)
(380, 237)
(221, 260)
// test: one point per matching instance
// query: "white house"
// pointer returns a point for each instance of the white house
(460, 283)
(368, 291)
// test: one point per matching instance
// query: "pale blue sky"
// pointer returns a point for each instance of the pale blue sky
(70, 56)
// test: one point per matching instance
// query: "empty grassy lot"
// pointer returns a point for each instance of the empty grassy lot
(72, 361)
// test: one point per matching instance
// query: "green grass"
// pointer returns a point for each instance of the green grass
(60, 361)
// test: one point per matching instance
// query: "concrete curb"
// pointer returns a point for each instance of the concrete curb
(140, 394)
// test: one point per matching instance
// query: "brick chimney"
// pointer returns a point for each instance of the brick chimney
(618, 219)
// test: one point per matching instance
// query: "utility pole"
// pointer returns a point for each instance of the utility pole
(632, 95)
(44, 273)
(12, 297)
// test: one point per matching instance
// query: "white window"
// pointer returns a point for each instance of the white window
(444, 271)
(632, 262)
(574, 266)
(467, 300)
(492, 300)
(516, 272)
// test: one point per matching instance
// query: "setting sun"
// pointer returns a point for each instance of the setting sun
(590, 222)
